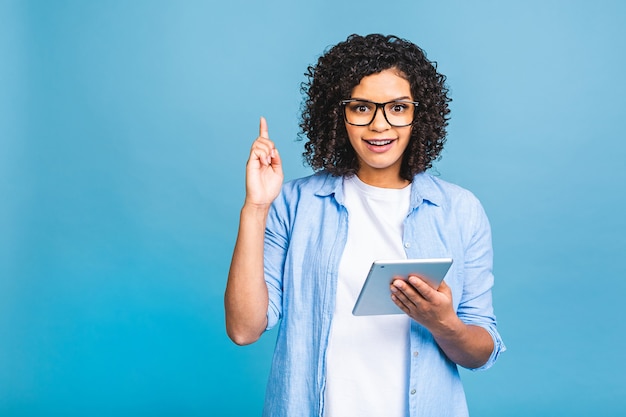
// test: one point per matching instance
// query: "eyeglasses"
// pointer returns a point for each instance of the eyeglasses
(397, 113)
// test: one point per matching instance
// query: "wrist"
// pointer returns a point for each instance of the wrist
(450, 328)
(255, 209)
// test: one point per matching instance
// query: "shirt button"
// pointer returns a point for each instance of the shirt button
(407, 245)
(413, 392)
(415, 354)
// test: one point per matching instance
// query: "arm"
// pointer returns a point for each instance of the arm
(467, 345)
(465, 331)
(246, 297)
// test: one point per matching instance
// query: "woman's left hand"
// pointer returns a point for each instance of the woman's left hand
(430, 307)
(468, 345)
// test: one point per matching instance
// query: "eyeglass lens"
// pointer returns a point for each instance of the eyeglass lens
(362, 113)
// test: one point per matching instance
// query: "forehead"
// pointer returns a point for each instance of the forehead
(383, 86)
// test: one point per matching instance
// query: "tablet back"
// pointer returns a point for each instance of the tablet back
(375, 296)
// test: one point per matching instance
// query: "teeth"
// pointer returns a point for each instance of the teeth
(379, 142)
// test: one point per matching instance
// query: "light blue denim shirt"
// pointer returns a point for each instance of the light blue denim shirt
(304, 240)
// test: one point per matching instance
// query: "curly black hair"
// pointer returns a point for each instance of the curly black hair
(333, 78)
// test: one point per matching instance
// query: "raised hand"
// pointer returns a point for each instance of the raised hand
(246, 297)
(264, 172)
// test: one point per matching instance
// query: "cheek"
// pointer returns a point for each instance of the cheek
(407, 134)
(353, 134)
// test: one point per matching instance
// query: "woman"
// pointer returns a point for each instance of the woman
(375, 118)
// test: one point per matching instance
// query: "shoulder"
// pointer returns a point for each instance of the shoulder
(451, 200)
(304, 198)
(320, 184)
(306, 191)
(442, 193)
(311, 181)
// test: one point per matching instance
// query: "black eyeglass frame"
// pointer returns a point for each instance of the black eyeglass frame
(343, 104)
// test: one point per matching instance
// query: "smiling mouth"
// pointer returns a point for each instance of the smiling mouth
(379, 142)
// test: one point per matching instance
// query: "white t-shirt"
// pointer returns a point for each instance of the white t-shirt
(367, 356)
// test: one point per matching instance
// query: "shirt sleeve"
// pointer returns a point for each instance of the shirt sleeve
(275, 251)
(476, 305)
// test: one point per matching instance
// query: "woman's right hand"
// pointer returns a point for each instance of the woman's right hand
(264, 172)
(246, 298)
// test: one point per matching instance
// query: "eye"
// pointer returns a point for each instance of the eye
(360, 107)
(398, 107)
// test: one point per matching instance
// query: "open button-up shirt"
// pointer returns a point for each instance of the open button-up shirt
(305, 235)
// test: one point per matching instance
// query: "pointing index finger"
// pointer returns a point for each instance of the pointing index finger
(263, 132)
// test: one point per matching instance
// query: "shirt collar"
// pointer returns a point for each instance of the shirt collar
(423, 188)
(330, 185)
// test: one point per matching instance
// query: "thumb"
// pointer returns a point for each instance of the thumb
(444, 288)
(275, 159)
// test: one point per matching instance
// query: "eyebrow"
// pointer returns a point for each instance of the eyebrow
(392, 100)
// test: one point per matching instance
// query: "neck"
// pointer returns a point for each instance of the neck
(382, 180)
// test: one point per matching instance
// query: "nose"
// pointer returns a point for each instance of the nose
(379, 123)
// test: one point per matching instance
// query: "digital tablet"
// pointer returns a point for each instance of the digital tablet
(375, 296)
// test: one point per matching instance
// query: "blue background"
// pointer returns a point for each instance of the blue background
(124, 131)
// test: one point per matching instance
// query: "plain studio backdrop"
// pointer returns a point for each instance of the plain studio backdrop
(124, 130)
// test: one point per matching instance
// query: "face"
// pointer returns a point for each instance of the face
(380, 146)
